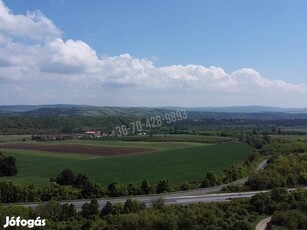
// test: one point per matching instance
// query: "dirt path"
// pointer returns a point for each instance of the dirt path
(263, 224)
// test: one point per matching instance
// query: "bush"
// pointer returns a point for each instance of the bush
(7, 166)
(66, 177)
(163, 186)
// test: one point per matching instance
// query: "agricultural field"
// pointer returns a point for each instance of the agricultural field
(290, 137)
(180, 138)
(14, 138)
(124, 161)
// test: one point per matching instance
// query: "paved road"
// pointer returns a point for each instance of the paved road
(263, 224)
(168, 199)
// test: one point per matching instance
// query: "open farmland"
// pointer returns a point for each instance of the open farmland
(77, 149)
(175, 161)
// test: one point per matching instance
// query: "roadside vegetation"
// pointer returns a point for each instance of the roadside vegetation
(287, 209)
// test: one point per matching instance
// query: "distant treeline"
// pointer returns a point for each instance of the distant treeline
(54, 124)
(205, 126)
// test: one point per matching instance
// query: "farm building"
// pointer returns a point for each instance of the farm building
(93, 133)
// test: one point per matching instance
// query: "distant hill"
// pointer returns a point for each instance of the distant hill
(15, 109)
(248, 109)
(232, 112)
(77, 110)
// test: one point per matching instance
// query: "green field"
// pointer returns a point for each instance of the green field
(290, 137)
(176, 138)
(175, 161)
(14, 138)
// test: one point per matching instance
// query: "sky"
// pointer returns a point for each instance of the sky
(154, 53)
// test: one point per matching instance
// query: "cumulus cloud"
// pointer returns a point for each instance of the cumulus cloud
(35, 60)
(69, 57)
(33, 25)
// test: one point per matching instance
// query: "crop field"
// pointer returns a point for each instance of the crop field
(175, 161)
(290, 137)
(14, 138)
(179, 138)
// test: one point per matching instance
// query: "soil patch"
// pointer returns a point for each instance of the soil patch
(78, 149)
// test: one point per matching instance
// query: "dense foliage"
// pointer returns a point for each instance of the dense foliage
(7, 165)
(282, 171)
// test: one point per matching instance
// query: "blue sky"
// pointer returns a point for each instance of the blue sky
(225, 52)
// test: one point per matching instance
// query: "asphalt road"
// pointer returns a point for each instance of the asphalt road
(168, 199)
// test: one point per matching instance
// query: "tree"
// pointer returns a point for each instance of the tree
(90, 210)
(241, 225)
(107, 209)
(302, 179)
(8, 166)
(279, 194)
(116, 189)
(68, 212)
(52, 210)
(158, 203)
(66, 177)
(210, 180)
(145, 187)
(32, 194)
(92, 190)
(82, 180)
(163, 186)
(262, 203)
(132, 190)
(133, 206)
(185, 186)
(9, 193)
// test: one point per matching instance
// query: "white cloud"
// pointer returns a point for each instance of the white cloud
(33, 25)
(251, 79)
(69, 57)
(32, 50)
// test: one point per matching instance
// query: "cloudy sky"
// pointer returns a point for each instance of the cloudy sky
(153, 53)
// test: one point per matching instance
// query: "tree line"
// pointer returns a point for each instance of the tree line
(232, 127)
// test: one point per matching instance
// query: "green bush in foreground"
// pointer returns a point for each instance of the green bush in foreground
(7, 165)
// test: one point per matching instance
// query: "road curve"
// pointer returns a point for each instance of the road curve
(202, 191)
